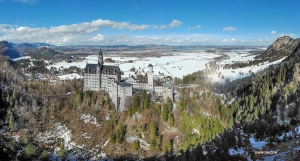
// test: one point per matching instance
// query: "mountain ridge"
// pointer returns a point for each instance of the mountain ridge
(282, 46)
(8, 50)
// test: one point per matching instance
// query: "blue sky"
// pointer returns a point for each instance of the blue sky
(134, 22)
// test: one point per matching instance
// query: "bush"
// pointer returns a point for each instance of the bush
(168, 147)
(44, 155)
(112, 138)
(136, 145)
(30, 149)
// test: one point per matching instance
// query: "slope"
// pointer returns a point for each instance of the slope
(8, 50)
(283, 46)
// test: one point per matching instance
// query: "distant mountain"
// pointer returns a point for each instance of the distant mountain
(8, 50)
(24, 47)
(44, 53)
(38, 45)
(283, 46)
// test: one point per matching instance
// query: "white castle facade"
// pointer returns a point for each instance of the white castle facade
(106, 77)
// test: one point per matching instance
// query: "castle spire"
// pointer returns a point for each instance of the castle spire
(100, 58)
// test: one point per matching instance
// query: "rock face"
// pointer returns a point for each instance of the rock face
(7, 49)
(282, 46)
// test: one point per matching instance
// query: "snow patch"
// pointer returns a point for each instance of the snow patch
(89, 118)
(143, 143)
(257, 144)
(70, 76)
(236, 151)
(61, 131)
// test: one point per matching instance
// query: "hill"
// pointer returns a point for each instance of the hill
(24, 47)
(6, 49)
(283, 46)
(43, 53)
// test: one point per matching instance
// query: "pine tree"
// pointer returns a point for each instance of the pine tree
(165, 114)
(153, 130)
(171, 120)
(11, 121)
(168, 147)
(146, 99)
(30, 149)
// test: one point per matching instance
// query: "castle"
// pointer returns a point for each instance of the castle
(107, 77)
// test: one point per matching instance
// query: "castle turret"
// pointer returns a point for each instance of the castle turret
(150, 76)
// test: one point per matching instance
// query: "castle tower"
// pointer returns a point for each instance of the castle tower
(150, 76)
(99, 75)
(100, 58)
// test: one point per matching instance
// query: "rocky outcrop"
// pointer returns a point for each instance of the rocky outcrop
(283, 46)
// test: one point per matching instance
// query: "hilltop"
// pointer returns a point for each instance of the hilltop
(44, 53)
(283, 46)
(24, 47)
(8, 50)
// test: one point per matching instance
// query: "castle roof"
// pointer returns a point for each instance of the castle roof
(150, 65)
(91, 68)
(110, 69)
(106, 69)
(124, 84)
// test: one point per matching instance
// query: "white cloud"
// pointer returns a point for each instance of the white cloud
(229, 29)
(28, 1)
(64, 34)
(87, 33)
(163, 27)
(273, 32)
(284, 34)
(137, 8)
(175, 23)
(196, 27)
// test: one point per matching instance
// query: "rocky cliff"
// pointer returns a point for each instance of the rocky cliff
(283, 46)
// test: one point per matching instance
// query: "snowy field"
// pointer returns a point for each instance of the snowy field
(234, 74)
(177, 64)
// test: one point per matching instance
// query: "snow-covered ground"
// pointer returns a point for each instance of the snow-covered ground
(22, 57)
(143, 143)
(61, 131)
(236, 151)
(257, 144)
(70, 76)
(233, 74)
(296, 131)
(89, 118)
(178, 64)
